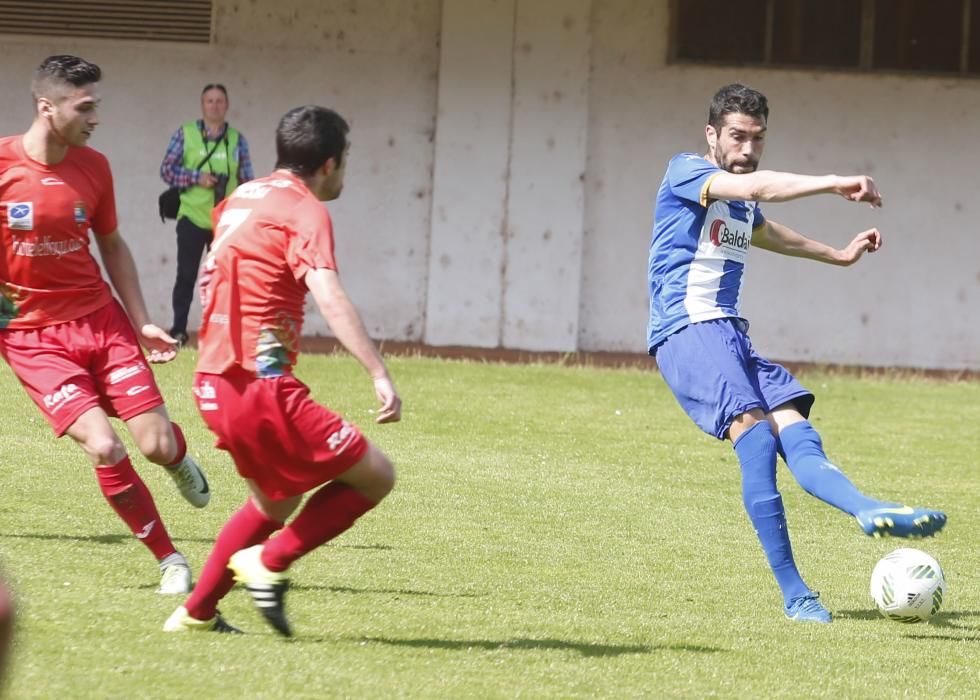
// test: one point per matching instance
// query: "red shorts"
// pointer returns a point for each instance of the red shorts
(70, 367)
(278, 436)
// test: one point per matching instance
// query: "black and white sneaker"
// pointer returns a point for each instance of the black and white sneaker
(267, 588)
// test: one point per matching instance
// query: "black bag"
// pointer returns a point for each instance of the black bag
(169, 201)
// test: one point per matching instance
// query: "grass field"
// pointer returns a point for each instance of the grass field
(557, 532)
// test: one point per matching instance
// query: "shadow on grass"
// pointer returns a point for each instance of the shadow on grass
(582, 648)
(97, 539)
(958, 619)
(858, 615)
(119, 538)
(954, 618)
(942, 637)
(383, 591)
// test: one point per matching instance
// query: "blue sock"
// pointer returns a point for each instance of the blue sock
(756, 450)
(803, 451)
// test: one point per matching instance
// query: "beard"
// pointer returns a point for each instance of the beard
(741, 166)
(736, 164)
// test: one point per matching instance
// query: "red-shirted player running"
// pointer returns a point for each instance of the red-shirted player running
(6, 627)
(61, 331)
(273, 243)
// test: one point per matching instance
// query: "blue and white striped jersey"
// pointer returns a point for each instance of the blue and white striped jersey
(698, 250)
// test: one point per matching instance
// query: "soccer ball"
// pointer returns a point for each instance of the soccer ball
(908, 585)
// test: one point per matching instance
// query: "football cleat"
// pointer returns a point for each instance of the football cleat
(181, 621)
(175, 580)
(191, 483)
(901, 521)
(267, 588)
(806, 608)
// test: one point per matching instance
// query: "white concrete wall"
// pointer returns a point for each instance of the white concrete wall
(472, 163)
(508, 202)
(545, 207)
(506, 154)
(375, 61)
(914, 303)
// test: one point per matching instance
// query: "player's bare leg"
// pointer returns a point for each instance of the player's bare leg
(162, 442)
(373, 477)
(330, 511)
(127, 494)
(94, 434)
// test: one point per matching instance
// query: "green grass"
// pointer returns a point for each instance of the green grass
(556, 532)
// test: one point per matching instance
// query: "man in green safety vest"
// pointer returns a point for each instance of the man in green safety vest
(207, 159)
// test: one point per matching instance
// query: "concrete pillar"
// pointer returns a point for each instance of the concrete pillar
(545, 209)
(472, 148)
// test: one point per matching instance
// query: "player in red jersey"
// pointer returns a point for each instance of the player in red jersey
(63, 334)
(273, 243)
(6, 627)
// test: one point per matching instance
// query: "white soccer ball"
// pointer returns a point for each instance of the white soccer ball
(908, 585)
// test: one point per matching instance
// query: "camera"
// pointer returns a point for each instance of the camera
(220, 187)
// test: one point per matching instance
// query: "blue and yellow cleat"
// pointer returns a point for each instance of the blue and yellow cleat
(901, 521)
(806, 608)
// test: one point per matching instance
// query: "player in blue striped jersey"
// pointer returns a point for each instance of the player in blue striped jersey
(707, 218)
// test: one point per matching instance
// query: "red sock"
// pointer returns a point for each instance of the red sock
(6, 623)
(329, 512)
(245, 528)
(181, 445)
(129, 497)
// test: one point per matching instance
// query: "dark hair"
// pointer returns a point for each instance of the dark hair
(56, 72)
(737, 99)
(214, 86)
(307, 137)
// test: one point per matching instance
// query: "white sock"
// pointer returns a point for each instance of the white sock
(171, 559)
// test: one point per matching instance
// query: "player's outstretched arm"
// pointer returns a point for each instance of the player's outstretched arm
(782, 239)
(121, 267)
(346, 324)
(773, 186)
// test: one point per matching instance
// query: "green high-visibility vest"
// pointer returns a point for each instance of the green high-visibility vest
(196, 202)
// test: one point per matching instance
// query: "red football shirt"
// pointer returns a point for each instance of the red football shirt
(267, 235)
(47, 274)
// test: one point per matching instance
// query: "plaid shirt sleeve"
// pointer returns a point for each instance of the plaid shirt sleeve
(172, 170)
(245, 172)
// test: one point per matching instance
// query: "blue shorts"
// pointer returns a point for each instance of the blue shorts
(716, 375)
